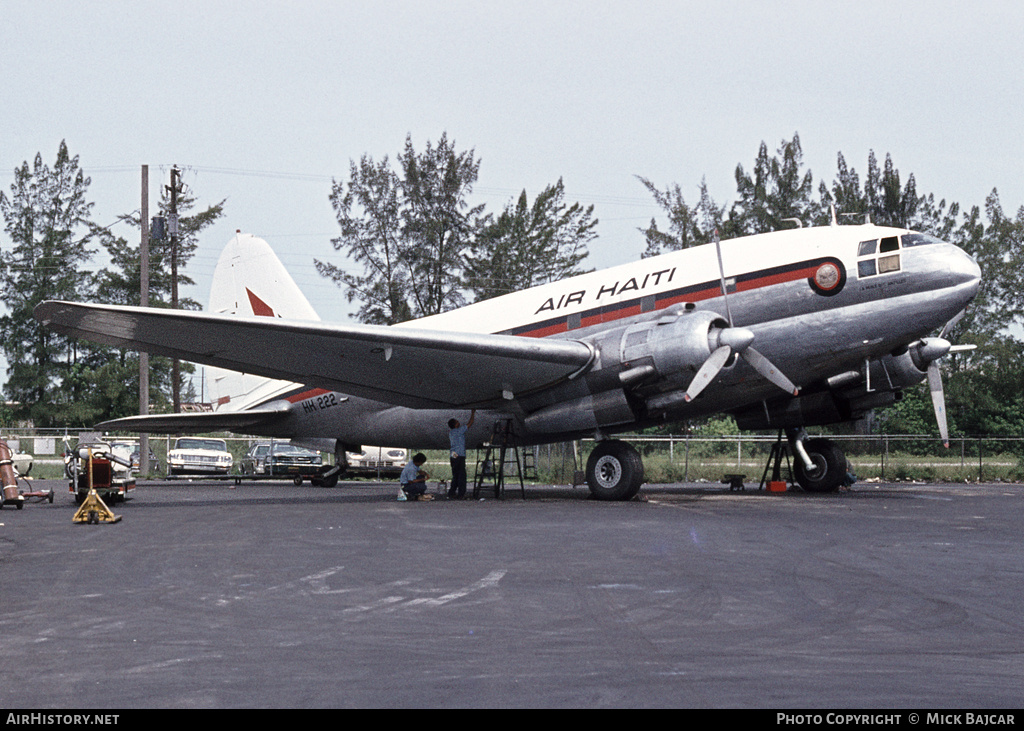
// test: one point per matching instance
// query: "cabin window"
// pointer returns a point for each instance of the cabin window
(648, 303)
(867, 247)
(572, 322)
(866, 268)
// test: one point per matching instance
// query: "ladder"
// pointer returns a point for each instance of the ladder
(491, 467)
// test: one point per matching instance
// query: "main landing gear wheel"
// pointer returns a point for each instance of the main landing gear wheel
(615, 471)
(829, 466)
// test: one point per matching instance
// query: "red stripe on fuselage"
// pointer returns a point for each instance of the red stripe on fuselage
(303, 395)
(695, 293)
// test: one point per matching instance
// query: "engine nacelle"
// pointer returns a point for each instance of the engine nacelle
(909, 367)
(674, 348)
(668, 350)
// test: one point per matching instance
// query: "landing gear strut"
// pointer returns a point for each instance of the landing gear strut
(328, 475)
(615, 471)
(820, 465)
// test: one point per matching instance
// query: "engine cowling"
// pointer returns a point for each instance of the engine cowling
(909, 367)
(675, 348)
(669, 350)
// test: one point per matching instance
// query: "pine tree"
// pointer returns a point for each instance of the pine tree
(47, 219)
(529, 245)
(408, 229)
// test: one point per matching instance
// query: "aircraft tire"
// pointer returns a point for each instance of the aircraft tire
(615, 471)
(830, 463)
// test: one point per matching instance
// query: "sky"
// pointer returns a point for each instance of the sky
(263, 104)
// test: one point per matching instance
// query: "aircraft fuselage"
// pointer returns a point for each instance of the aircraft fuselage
(820, 302)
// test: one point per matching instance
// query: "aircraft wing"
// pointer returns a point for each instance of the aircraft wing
(398, 365)
(196, 423)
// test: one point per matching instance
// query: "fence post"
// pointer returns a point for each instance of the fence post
(686, 453)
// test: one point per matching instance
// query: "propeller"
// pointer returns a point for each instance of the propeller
(730, 340)
(930, 351)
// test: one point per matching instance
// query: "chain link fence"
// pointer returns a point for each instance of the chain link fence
(681, 458)
(673, 458)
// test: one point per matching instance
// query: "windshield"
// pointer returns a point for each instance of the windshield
(290, 449)
(217, 445)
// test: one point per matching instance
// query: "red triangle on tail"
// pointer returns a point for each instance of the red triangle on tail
(259, 307)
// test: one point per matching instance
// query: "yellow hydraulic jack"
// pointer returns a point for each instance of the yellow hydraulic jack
(93, 510)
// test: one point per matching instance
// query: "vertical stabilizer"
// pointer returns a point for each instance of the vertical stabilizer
(250, 280)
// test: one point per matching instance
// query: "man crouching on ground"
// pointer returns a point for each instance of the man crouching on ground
(414, 480)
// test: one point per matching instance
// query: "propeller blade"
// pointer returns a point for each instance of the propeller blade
(721, 274)
(715, 362)
(952, 323)
(938, 400)
(765, 367)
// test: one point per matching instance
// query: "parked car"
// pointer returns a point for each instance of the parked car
(22, 463)
(372, 461)
(22, 460)
(136, 465)
(199, 456)
(280, 458)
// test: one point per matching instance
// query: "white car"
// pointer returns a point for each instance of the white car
(22, 463)
(199, 456)
(372, 461)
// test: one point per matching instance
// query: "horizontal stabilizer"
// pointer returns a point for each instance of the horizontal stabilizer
(195, 423)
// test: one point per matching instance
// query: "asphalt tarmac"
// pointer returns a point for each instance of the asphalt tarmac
(274, 596)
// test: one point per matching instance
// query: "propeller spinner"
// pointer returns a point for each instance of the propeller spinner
(725, 342)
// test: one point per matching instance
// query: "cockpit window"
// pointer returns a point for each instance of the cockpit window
(919, 240)
(888, 264)
(869, 266)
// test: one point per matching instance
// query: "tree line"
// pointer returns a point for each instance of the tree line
(415, 243)
(51, 241)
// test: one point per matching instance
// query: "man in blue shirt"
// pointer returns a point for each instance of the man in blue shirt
(457, 438)
(414, 480)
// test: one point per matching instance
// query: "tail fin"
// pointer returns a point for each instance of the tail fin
(250, 280)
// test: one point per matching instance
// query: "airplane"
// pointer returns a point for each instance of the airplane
(843, 318)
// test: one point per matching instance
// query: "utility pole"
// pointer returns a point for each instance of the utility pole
(172, 225)
(144, 465)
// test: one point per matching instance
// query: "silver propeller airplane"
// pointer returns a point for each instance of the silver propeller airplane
(784, 330)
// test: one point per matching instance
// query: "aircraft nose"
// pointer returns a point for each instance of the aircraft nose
(965, 271)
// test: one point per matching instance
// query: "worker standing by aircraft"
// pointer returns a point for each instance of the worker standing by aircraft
(457, 439)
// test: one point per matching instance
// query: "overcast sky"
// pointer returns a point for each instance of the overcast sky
(263, 103)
